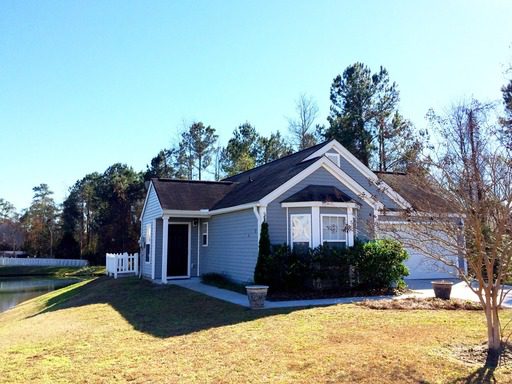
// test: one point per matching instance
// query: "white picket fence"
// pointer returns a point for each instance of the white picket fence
(122, 263)
(42, 262)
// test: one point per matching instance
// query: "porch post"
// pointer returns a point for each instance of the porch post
(165, 236)
(315, 226)
(350, 223)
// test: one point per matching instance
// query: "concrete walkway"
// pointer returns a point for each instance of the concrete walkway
(420, 289)
(460, 290)
(195, 284)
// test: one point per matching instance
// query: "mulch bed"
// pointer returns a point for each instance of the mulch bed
(310, 295)
(477, 354)
(412, 303)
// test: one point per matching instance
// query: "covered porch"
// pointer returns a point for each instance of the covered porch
(175, 248)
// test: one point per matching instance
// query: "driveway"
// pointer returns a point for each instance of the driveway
(460, 290)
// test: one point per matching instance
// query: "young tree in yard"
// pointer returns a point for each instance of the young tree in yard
(473, 172)
(197, 146)
(301, 127)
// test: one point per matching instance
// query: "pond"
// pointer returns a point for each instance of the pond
(14, 290)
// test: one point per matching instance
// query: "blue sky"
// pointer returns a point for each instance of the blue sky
(85, 84)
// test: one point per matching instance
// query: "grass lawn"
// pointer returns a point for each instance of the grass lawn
(14, 271)
(128, 330)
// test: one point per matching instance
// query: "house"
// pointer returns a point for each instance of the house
(320, 195)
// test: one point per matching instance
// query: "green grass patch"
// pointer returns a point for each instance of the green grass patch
(14, 271)
(129, 330)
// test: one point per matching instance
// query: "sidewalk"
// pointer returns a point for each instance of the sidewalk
(195, 284)
(420, 289)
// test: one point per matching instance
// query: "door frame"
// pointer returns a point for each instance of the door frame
(189, 241)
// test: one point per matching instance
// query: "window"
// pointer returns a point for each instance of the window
(204, 234)
(301, 231)
(334, 157)
(334, 230)
(148, 243)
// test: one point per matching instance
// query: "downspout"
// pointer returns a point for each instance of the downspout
(199, 223)
(258, 219)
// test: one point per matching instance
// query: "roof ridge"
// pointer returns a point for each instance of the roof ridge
(165, 179)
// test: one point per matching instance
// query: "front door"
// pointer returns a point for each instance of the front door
(177, 251)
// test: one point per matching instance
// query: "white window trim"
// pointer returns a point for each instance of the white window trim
(204, 233)
(347, 234)
(291, 227)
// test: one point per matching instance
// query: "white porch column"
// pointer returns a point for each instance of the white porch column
(350, 222)
(315, 226)
(152, 248)
(165, 237)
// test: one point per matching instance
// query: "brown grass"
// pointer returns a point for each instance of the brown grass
(126, 330)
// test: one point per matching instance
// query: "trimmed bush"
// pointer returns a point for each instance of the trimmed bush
(379, 264)
(262, 272)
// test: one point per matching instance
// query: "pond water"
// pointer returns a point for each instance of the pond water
(14, 290)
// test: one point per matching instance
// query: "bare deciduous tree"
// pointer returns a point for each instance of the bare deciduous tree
(472, 171)
(300, 127)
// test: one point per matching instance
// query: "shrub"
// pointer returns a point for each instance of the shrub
(379, 264)
(321, 268)
(261, 272)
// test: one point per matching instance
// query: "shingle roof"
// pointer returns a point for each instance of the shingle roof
(190, 194)
(246, 187)
(322, 193)
(421, 193)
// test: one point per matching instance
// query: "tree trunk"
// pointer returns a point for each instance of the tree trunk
(493, 329)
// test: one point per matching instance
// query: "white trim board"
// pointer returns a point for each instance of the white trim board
(327, 204)
(363, 169)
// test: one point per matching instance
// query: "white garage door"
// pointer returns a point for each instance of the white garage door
(421, 266)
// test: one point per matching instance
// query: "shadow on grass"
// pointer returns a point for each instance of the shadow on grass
(159, 310)
(483, 375)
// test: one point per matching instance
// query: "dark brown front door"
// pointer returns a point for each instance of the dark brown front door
(177, 251)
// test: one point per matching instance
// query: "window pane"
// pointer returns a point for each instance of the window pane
(148, 249)
(301, 228)
(333, 228)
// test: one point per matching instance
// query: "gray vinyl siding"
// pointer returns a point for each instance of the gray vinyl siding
(363, 181)
(232, 246)
(152, 211)
(276, 215)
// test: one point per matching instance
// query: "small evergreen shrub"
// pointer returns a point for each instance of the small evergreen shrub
(379, 264)
(264, 263)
